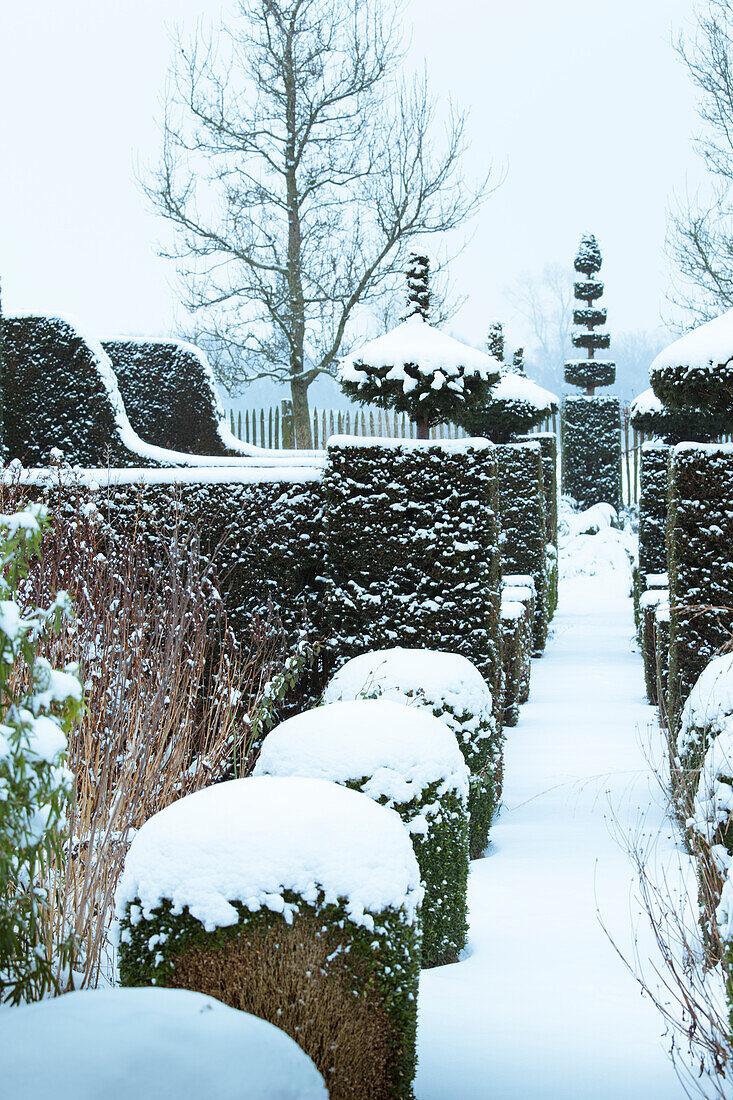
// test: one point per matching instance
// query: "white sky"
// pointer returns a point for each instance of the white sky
(585, 105)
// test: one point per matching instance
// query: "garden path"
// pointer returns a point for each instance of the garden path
(541, 1006)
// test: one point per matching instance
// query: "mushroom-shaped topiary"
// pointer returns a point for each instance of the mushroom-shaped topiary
(514, 405)
(296, 900)
(652, 417)
(406, 759)
(696, 371)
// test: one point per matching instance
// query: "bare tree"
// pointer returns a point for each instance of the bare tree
(700, 237)
(546, 303)
(296, 166)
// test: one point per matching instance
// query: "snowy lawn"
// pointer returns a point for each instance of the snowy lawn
(542, 1007)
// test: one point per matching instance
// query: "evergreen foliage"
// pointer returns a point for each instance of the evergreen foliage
(521, 502)
(675, 425)
(38, 707)
(589, 373)
(653, 510)
(418, 286)
(518, 361)
(700, 534)
(495, 341)
(412, 554)
(591, 450)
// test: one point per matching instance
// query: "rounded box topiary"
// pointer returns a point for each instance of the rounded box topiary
(297, 900)
(150, 1044)
(406, 759)
(706, 714)
(452, 689)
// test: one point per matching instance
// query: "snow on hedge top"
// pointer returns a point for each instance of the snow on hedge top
(153, 1044)
(645, 403)
(427, 676)
(515, 387)
(450, 446)
(249, 840)
(705, 348)
(401, 749)
(710, 702)
(436, 355)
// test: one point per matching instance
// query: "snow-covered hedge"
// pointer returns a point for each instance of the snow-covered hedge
(60, 391)
(662, 636)
(652, 417)
(548, 446)
(697, 369)
(295, 899)
(412, 553)
(707, 714)
(149, 1043)
(652, 514)
(450, 688)
(516, 634)
(515, 404)
(591, 450)
(700, 534)
(648, 604)
(169, 394)
(406, 759)
(522, 517)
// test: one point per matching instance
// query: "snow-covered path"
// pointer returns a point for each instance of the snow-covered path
(543, 1007)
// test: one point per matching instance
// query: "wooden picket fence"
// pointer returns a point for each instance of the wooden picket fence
(273, 428)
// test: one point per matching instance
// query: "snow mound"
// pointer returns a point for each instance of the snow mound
(150, 1044)
(709, 704)
(249, 840)
(645, 403)
(590, 546)
(714, 798)
(410, 676)
(436, 355)
(515, 387)
(590, 521)
(708, 346)
(401, 749)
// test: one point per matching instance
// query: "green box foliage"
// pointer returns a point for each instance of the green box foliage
(548, 446)
(653, 510)
(591, 450)
(169, 394)
(344, 743)
(648, 604)
(521, 501)
(590, 372)
(706, 716)
(412, 555)
(516, 629)
(700, 536)
(60, 392)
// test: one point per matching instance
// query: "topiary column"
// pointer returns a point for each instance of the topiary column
(591, 467)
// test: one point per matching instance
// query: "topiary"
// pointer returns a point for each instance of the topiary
(453, 690)
(405, 759)
(296, 900)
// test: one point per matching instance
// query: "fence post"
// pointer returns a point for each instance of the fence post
(286, 419)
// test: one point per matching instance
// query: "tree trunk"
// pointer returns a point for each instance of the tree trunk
(423, 428)
(301, 415)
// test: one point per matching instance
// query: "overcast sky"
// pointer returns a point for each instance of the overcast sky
(584, 105)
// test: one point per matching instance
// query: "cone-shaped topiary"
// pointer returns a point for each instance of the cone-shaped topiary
(495, 341)
(589, 372)
(418, 286)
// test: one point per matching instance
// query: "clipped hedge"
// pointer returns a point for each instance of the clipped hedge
(169, 394)
(59, 391)
(591, 450)
(265, 893)
(412, 555)
(653, 509)
(706, 715)
(548, 446)
(521, 502)
(451, 689)
(516, 635)
(406, 759)
(648, 604)
(700, 536)
(519, 589)
(662, 635)
(589, 373)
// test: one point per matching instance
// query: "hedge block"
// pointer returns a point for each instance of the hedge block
(700, 536)
(591, 450)
(522, 519)
(412, 556)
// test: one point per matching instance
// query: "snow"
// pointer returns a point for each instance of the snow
(518, 580)
(708, 346)
(408, 676)
(150, 1044)
(515, 387)
(645, 403)
(657, 580)
(450, 446)
(592, 547)
(710, 703)
(518, 593)
(711, 449)
(241, 474)
(248, 840)
(541, 1007)
(511, 609)
(401, 749)
(714, 795)
(653, 597)
(434, 353)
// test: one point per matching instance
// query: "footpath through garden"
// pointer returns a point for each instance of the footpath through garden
(541, 1006)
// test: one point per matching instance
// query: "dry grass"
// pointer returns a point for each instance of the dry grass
(167, 694)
